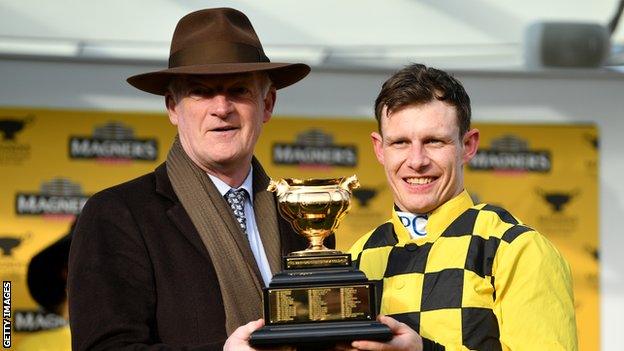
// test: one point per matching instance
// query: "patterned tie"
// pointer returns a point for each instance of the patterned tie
(236, 199)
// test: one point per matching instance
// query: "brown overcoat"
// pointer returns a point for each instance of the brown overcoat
(140, 277)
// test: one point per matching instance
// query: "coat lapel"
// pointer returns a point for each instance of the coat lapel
(176, 212)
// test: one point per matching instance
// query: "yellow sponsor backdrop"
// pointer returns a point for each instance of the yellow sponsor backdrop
(39, 153)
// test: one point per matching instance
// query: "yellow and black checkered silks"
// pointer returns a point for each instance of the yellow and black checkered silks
(479, 280)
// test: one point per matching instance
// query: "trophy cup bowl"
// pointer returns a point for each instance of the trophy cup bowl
(314, 207)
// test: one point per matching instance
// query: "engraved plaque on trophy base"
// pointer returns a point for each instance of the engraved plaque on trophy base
(319, 300)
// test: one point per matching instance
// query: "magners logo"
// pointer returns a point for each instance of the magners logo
(36, 320)
(113, 141)
(58, 197)
(510, 153)
(314, 148)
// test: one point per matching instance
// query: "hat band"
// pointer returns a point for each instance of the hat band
(215, 53)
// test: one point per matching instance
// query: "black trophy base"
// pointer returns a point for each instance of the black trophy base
(317, 334)
(318, 301)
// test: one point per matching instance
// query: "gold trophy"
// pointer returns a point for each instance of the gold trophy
(319, 298)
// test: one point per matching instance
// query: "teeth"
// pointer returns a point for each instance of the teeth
(419, 181)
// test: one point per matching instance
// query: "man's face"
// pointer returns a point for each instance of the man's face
(423, 154)
(219, 119)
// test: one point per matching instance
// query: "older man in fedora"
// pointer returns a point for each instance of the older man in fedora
(176, 259)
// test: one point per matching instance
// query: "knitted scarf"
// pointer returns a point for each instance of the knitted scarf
(237, 272)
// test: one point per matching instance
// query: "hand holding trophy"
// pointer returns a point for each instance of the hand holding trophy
(319, 298)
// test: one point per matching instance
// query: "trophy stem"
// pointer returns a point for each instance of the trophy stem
(316, 243)
(316, 247)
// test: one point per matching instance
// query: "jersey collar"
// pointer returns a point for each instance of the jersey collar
(439, 219)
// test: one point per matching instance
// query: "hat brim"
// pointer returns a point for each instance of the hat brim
(281, 74)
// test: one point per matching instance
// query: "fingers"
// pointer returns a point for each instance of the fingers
(404, 338)
(343, 347)
(281, 348)
(370, 345)
(276, 348)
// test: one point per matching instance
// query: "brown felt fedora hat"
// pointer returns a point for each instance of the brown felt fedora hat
(217, 41)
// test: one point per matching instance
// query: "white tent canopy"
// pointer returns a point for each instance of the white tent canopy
(478, 34)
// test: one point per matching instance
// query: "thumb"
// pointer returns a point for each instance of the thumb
(243, 332)
(394, 325)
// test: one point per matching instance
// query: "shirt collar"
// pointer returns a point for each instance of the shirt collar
(439, 219)
(224, 187)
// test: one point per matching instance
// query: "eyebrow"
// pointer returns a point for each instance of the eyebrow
(389, 138)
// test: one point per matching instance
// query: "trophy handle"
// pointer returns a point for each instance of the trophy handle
(279, 187)
(272, 185)
(350, 183)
